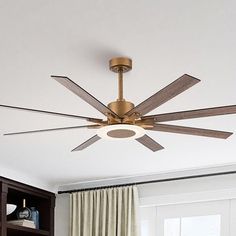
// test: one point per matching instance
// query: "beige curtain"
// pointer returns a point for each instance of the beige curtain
(104, 212)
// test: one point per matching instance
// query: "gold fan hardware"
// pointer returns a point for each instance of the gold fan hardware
(123, 120)
(121, 107)
(121, 65)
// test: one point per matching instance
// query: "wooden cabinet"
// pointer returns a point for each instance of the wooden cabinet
(14, 192)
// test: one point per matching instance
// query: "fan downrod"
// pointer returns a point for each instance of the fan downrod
(120, 65)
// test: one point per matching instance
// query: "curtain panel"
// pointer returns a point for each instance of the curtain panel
(104, 212)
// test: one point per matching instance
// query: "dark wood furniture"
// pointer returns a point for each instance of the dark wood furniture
(13, 192)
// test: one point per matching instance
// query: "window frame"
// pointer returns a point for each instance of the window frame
(156, 215)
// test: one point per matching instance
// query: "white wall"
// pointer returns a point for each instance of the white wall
(62, 215)
(181, 191)
(26, 178)
(188, 185)
(188, 190)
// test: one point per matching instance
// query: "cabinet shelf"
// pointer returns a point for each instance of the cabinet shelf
(14, 192)
(16, 228)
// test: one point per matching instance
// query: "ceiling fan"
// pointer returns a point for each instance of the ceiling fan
(123, 120)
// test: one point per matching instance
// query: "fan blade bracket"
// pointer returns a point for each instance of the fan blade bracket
(134, 116)
(99, 125)
(94, 127)
(97, 121)
(111, 119)
(130, 119)
(145, 124)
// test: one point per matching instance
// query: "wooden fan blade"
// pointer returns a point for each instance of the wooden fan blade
(149, 143)
(181, 115)
(76, 89)
(87, 143)
(52, 113)
(164, 95)
(190, 131)
(54, 129)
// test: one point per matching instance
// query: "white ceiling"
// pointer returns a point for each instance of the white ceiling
(76, 38)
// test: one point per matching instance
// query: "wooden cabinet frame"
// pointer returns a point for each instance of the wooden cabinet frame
(13, 192)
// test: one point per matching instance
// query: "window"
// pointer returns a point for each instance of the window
(148, 221)
(197, 225)
(192, 219)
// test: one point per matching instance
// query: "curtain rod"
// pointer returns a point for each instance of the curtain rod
(149, 182)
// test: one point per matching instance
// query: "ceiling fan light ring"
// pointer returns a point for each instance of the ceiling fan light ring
(121, 132)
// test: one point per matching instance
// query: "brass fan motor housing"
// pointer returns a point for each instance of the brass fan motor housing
(121, 107)
(120, 64)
